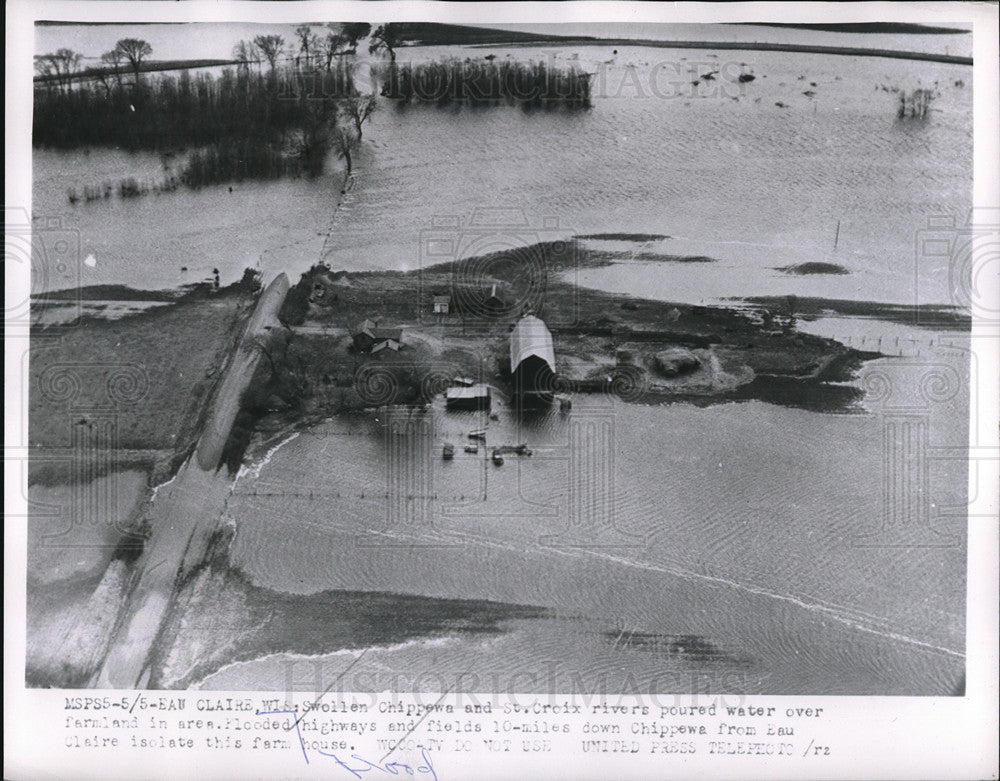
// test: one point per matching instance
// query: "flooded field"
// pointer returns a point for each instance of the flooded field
(768, 565)
(720, 168)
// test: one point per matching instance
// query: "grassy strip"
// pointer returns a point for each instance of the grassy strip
(150, 66)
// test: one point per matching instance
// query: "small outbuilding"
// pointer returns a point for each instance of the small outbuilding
(441, 305)
(494, 304)
(473, 397)
(370, 338)
(388, 344)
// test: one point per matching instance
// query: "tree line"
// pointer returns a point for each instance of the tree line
(276, 110)
(279, 107)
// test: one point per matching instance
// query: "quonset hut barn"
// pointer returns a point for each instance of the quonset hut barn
(532, 359)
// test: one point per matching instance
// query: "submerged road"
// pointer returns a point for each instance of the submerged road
(186, 512)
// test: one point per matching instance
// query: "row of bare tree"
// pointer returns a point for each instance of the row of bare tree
(300, 99)
(314, 50)
(61, 67)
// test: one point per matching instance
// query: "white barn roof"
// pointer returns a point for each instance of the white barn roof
(531, 337)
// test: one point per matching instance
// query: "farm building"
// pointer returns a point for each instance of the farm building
(370, 338)
(532, 358)
(494, 304)
(473, 397)
(441, 305)
(387, 344)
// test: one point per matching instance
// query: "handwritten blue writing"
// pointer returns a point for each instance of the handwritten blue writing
(359, 765)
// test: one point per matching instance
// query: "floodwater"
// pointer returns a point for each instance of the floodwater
(753, 532)
(745, 547)
(720, 168)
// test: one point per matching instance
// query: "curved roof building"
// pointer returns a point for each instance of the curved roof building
(532, 358)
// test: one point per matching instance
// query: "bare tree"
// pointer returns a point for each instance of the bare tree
(386, 38)
(58, 67)
(241, 53)
(359, 108)
(330, 46)
(254, 54)
(69, 63)
(317, 131)
(270, 47)
(103, 77)
(45, 68)
(307, 43)
(114, 60)
(135, 50)
(343, 142)
(352, 32)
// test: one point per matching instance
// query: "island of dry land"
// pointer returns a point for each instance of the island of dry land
(639, 350)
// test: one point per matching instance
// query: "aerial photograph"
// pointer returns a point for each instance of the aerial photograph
(570, 357)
